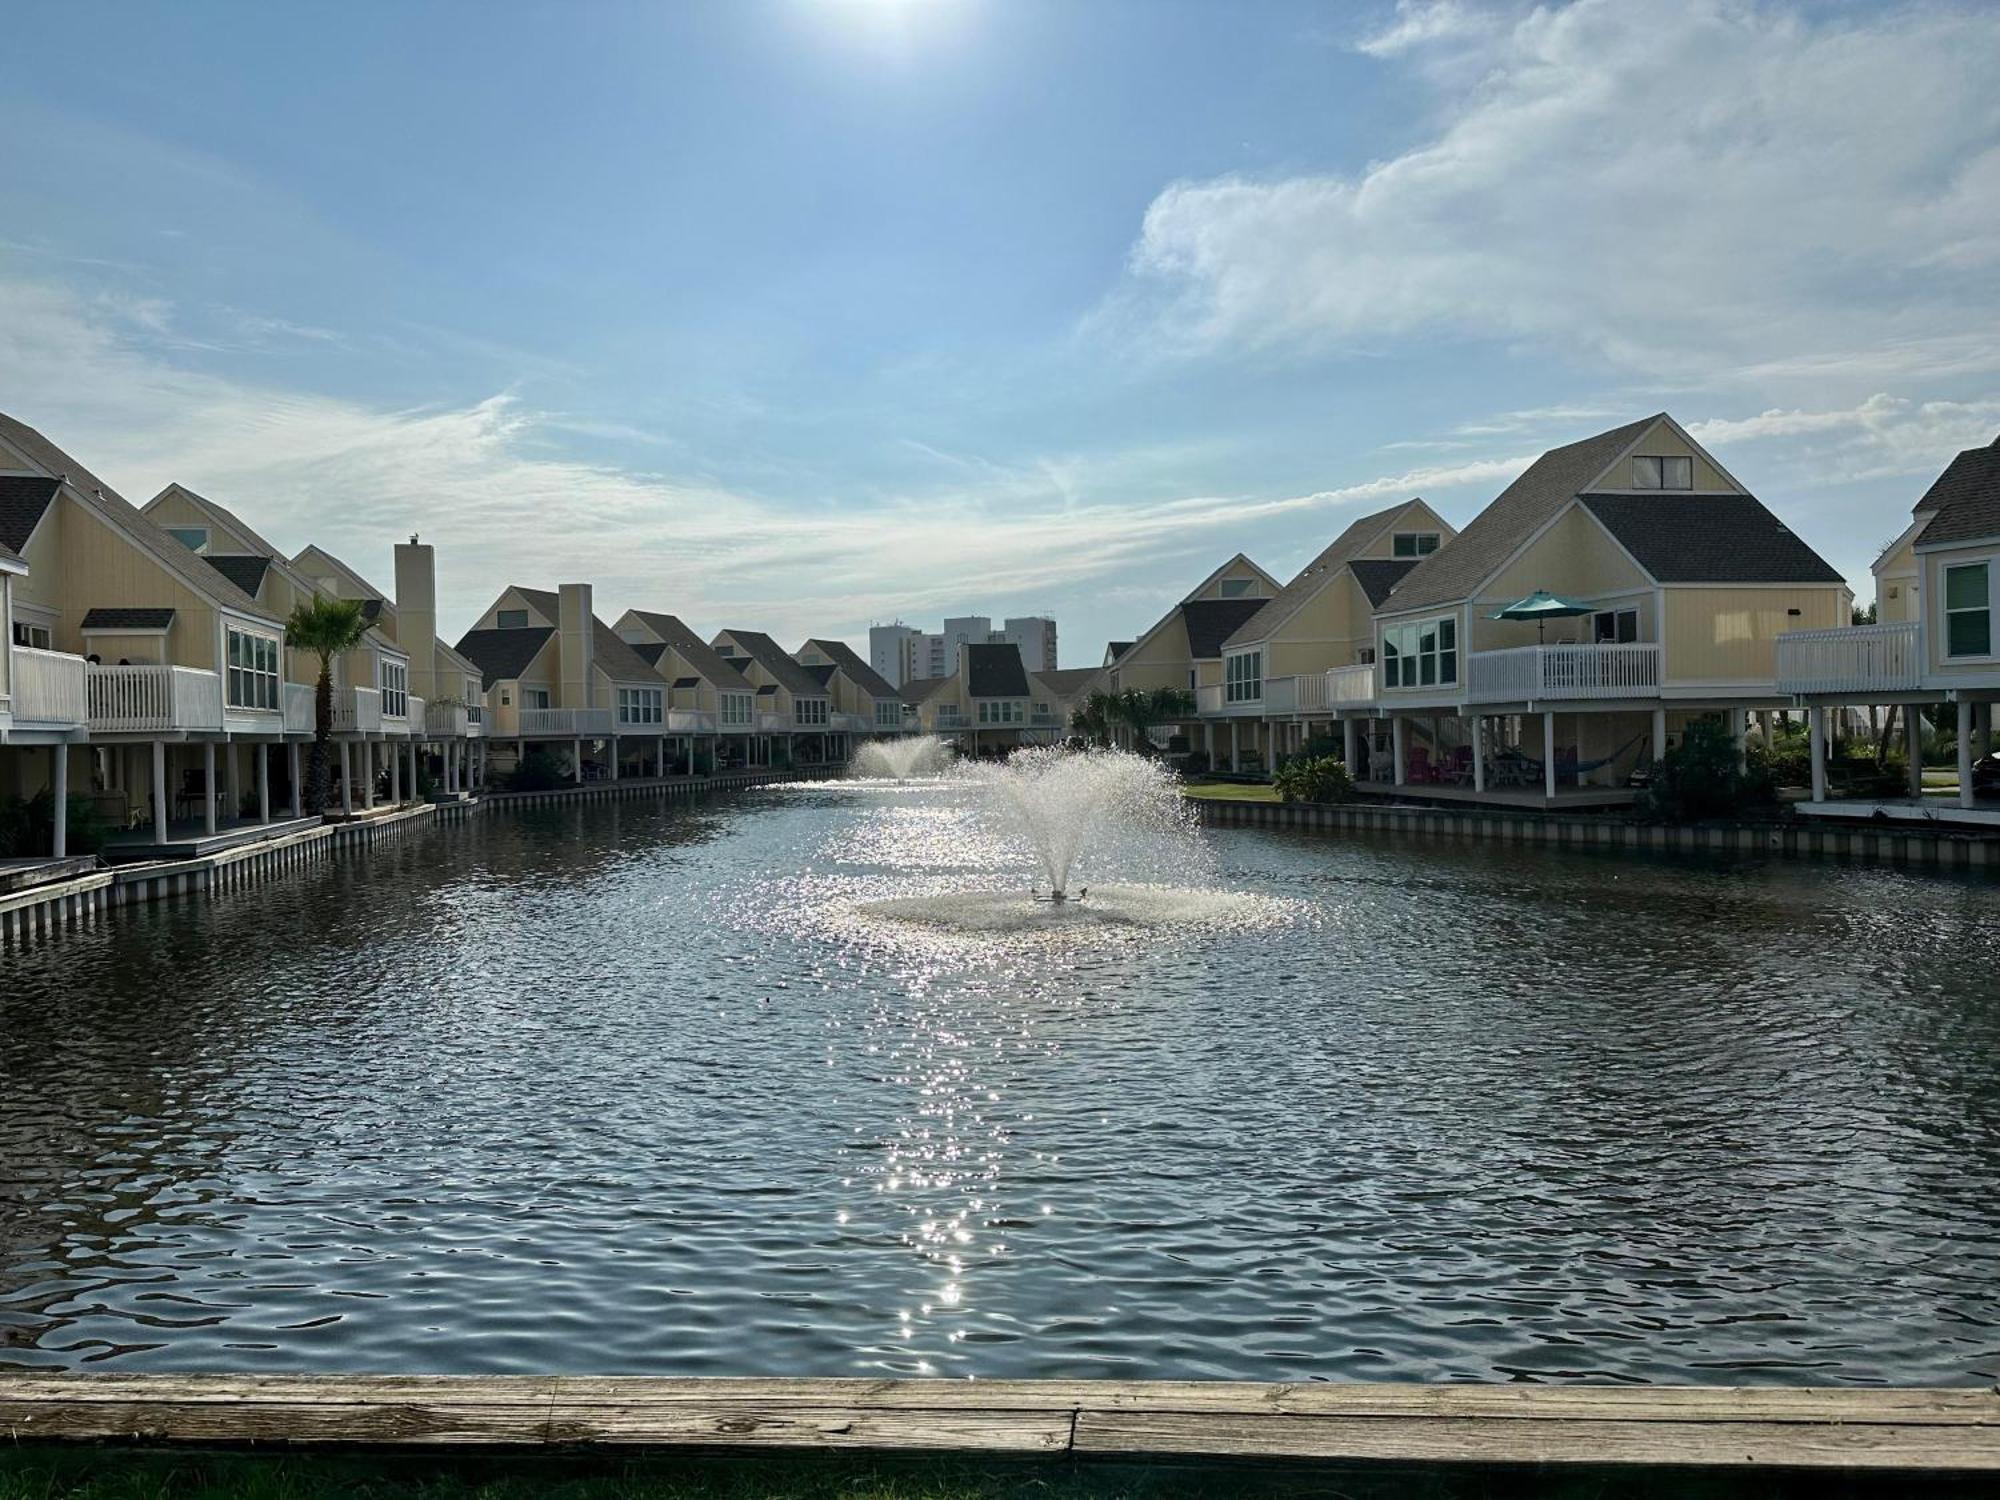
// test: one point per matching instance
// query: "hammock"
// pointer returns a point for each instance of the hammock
(1582, 767)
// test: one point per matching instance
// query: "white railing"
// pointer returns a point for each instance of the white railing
(139, 700)
(851, 723)
(49, 688)
(301, 708)
(1281, 695)
(1310, 693)
(768, 722)
(690, 721)
(1861, 658)
(411, 719)
(1522, 673)
(952, 718)
(1350, 687)
(731, 726)
(1208, 700)
(574, 723)
(357, 710)
(449, 721)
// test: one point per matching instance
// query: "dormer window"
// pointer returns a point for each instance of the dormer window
(510, 619)
(1416, 543)
(1662, 473)
(1235, 588)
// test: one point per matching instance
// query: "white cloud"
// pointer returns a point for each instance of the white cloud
(1877, 438)
(1684, 189)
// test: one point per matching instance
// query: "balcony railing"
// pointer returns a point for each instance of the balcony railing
(1524, 673)
(850, 723)
(357, 710)
(1350, 687)
(568, 723)
(411, 721)
(1208, 700)
(952, 718)
(773, 723)
(153, 700)
(450, 721)
(1858, 659)
(301, 708)
(690, 721)
(50, 689)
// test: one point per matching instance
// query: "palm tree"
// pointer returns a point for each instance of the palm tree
(1093, 717)
(327, 628)
(1140, 710)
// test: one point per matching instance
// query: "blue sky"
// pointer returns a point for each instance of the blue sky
(802, 313)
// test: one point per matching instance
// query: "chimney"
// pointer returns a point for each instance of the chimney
(573, 639)
(416, 614)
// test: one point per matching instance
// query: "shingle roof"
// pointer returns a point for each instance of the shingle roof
(1312, 577)
(863, 676)
(1709, 539)
(686, 682)
(122, 514)
(502, 655)
(1210, 622)
(649, 652)
(610, 651)
(1116, 649)
(127, 618)
(923, 689)
(695, 651)
(822, 674)
(994, 670)
(769, 655)
(247, 573)
(1068, 682)
(23, 499)
(1966, 497)
(1378, 576)
(1548, 484)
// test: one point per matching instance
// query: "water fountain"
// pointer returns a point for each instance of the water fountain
(922, 755)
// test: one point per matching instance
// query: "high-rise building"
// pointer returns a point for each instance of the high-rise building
(892, 651)
(1035, 636)
(904, 654)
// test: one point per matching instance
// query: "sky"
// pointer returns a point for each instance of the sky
(805, 314)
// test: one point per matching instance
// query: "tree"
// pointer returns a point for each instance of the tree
(327, 628)
(1093, 717)
(1139, 710)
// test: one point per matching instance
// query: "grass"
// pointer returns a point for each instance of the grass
(1231, 791)
(29, 1473)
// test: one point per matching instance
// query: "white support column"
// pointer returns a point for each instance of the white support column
(1659, 734)
(260, 760)
(396, 774)
(1816, 737)
(659, 756)
(59, 792)
(1913, 747)
(1764, 719)
(1349, 733)
(1399, 771)
(1966, 714)
(1739, 731)
(1208, 741)
(159, 791)
(1479, 752)
(232, 793)
(368, 775)
(298, 783)
(208, 787)
(1235, 748)
(613, 743)
(346, 780)
(1549, 755)
(576, 761)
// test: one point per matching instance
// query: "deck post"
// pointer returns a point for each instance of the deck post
(1770, 735)
(613, 743)
(1816, 733)
(1913, 748)
(208, 786)
(1966, 713)
(660, 757)
(1479, 752)
(346, 781)
(298, 786)
(160, 792)
(1235, 748)
(1549, 755)
(1659, 734)
(59, 791)
(260, 758)
(232, 794)
(1208, 741)
(368, 775)
(1349, 733)
(396, 774)
(576, 761)
(1399, 775)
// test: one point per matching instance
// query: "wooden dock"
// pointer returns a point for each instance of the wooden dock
(1905, 1429)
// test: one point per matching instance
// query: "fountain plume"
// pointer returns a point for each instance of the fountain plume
(901, 759)
(1066, 801)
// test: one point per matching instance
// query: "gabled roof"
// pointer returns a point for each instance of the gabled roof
(994, 670)
(1708, 539)
(363, 589)
(1210, 622)
(650, 652)
(1378, 576)
(767, 653)
(1548, 484)
(219, 515)
(1115, 649)
(611, 652)
(94, 494)
(1068, 682)
(502, 655)
(1314, 576)
(24, 498)
(246, 572)
(1966, 497)
(926, 688)
(863, 676)
(127, 618)
(693, 650)
(822, 674)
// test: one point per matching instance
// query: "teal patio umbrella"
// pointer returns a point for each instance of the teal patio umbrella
(1541, 607)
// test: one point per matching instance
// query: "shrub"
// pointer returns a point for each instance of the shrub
(1700, 778)
(28, 827)
(1195, 763)
(1320, 778)
(537, 772)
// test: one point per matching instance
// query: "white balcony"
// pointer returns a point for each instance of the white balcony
(952, 718)
(690, 721)
(565, 723)
(410, 721)
(773, 723)
(50, 689)
(357, 710)
(1858, 659)
(1350, 687)
(301, 708)
(850, 723)
(153, 700)
(451, 721)
(1567, 673)
(1208, 700)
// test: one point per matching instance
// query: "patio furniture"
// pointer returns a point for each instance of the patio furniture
(1421, 772)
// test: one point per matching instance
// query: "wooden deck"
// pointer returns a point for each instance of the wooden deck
(1905, 1429)
(1571, 798)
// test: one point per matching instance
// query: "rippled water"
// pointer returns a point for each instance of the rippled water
(631, 1089)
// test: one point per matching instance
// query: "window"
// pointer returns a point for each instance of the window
(1615, 627)
(809, 710)
(1968, 611)
(1662, 473)
(194, 538)
(534, 697)
(395, 684)
(511, 619)
(888, 713)
(1004, 711)
(1235, 588)
(640, 706)
(1417, 543)
(1243, 677)
(253, 670)
(736, 708)
(34, 636)
(1422, 655)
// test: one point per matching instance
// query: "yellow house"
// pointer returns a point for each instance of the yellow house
(1288, 664)
(864, 701)
(991, 704)
(794, 709)
(1183, 649)
(1937, 592)
(1672, 584)
(711, 706)
(1065, 691)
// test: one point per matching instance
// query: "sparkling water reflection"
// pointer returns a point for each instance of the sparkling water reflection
(637, 1089)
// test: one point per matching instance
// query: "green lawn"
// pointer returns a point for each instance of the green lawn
(1231, 791)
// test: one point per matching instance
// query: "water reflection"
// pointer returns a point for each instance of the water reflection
(632, 1088)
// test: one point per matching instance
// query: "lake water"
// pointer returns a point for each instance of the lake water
(635, 1089)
